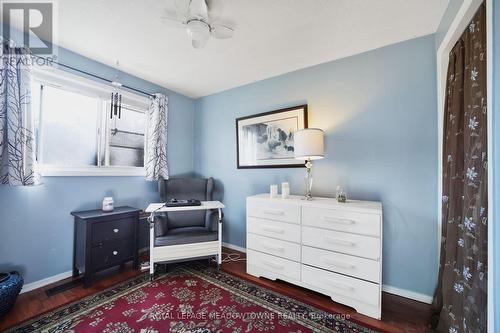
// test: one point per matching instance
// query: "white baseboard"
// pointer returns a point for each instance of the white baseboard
(388, 289)
(55, 278)
(234, 247)
(407, 294)
(43, 282)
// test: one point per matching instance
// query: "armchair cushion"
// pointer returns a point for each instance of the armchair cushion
(186, 235)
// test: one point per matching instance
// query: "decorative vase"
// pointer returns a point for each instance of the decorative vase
(10, 287)
(341, 195)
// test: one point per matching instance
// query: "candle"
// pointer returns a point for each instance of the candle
(285, 190)
(285, 193)
(273, 191)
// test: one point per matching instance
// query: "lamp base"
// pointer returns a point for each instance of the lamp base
(309, 180)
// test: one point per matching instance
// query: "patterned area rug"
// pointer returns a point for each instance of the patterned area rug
(189, 299)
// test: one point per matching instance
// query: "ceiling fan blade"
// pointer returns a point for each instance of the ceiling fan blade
(182, 8)
(198, 9)
(173, 22)
(221, 31)
(215, 9)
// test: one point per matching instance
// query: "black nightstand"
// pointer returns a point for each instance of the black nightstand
(103, 240)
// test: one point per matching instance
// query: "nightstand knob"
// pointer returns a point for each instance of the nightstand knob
(115, 253)
(116, 230)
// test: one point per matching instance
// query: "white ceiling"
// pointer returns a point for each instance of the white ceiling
(271, 37)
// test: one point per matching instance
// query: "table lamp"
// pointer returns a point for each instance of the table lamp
(308, 146)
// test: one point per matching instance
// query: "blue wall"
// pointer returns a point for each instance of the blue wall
(448, 17)
(379, 113)
(36, 229)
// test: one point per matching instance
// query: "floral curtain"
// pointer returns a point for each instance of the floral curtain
(17, 139)
(156, 139)
(461, 296)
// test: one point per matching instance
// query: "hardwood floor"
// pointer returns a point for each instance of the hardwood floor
(398, 314)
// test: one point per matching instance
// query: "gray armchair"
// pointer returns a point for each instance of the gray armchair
(177, 228)
(188, 234)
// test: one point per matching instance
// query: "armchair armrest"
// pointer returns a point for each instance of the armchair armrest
(161, 225)
(212, 222)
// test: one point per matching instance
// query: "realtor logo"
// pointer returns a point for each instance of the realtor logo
(29, 22)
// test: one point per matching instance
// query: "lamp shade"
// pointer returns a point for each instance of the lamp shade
(308, 144)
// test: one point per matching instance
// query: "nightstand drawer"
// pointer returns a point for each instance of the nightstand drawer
(334, 219)
(273, 229)
(274, 209)
(111, 254)
(108, 231)
(275, 247)
(342, 263)
(357, 245)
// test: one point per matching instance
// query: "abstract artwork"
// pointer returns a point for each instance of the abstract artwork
(265, 140)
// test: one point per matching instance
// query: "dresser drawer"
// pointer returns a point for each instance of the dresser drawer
(334, 219)
(361, 246)
(333, 284)
(274, 229)
(273, 246)
(108, 231)
(342, 263)
(274, 267)
(111, 254)
(274, 209)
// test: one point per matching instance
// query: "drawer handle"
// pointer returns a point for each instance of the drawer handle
(338, 221)
(337, 263)
(116, 230)
(339, 241)
(273, 212)
(273, 229)
(273, 248)
(336, 284)
(115, 253)
(273, 265)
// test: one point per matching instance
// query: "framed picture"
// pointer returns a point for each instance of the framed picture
(265, 140)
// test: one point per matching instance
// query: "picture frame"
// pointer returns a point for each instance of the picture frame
(265, 140)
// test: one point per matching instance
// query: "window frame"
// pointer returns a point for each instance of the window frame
(78, 84)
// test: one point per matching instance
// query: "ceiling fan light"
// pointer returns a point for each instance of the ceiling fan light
(199, 32)
(198, 44)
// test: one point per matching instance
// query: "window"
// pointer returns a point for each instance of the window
(76, 134)
(68, 128)
(125, 138)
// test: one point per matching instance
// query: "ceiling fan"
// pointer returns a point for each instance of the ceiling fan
(196, 16)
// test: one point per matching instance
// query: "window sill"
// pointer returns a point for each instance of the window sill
(90, 171)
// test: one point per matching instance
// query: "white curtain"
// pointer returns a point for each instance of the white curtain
(17, 138)
(156, 139)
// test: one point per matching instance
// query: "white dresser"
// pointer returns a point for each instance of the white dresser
(332, 248)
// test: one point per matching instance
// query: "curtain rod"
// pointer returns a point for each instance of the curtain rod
(95, 76)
